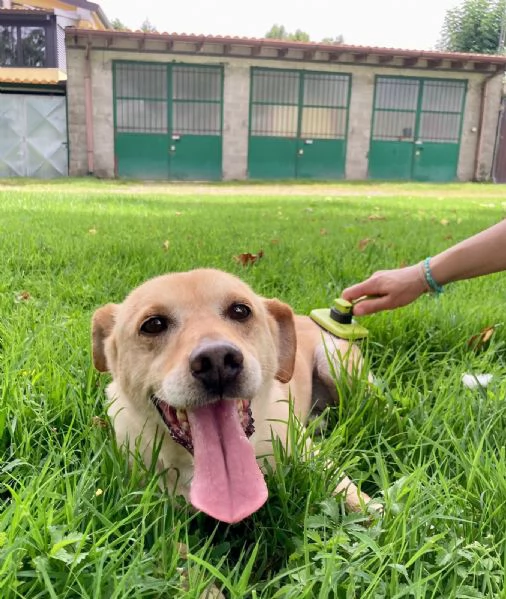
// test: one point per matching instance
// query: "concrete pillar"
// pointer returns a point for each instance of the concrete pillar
(359, 126)
(235, 125)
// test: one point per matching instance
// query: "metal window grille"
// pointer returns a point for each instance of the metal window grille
(441, 111)
(297, 103)
(325, 106)
(196, 100)
(275, 96)
(395, 108)
(427, 109)
(141, 98)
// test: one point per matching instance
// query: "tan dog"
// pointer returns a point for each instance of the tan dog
(203, 363)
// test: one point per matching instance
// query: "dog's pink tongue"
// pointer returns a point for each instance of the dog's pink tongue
(227, 482)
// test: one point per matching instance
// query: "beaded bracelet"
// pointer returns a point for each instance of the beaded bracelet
(431, 282)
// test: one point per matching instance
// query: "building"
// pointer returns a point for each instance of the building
(33, 78)
(160, 106)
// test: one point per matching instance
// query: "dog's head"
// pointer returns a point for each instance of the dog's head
(201, 346)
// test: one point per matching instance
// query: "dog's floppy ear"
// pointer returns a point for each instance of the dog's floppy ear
(101, 327)
(286, 338)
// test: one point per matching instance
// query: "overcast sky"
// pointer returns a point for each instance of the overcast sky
(393, 23)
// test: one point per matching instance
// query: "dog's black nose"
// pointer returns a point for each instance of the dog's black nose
(216, 364)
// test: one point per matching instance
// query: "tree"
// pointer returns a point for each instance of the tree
(339, 39)
(475, 26)
(299, 36)
(147, 26)
(117, 25)
(279, 32)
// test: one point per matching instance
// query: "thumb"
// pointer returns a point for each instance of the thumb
(367, 287)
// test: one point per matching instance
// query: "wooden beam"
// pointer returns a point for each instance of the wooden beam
(385, 59)
(334, 56)
(410, 62)
(482, 66)
(434, 63)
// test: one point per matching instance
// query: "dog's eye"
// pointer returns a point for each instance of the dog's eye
(239, 312)
(155, 325)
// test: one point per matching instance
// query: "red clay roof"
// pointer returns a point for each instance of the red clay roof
(285, 44)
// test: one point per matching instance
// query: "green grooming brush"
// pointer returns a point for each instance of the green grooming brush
(338, 320)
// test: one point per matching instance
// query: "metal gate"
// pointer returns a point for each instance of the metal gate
(168, 121)
(416, 128)
(298, 124)
(33, 142)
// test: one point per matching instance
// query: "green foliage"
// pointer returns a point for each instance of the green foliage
(474, 26)
(339, 39)
(279, 32)
(77, 521)
(118, 25)
(148, 27)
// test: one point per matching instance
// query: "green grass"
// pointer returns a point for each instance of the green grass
(76, 522)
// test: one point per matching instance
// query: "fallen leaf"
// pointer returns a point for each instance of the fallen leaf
(323, 232)
(182, 550)
(166, 245)
(448, 237)
(178, 213)
(363, 243)
(23, 296)
(403, 264)
(92, 231)
(445, 222)
(376, 217)
(98, 492)
(274, 241)
(246, 258)
(98, 422)
(477, 342)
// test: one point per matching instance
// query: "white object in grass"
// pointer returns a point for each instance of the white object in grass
(473, 381)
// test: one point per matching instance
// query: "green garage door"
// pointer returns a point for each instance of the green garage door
(298, 124)
(416, 128)
(168, 121)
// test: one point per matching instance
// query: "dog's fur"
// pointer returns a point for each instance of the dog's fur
(283, 356)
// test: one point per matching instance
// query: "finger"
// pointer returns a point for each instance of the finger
(368, 287)
(373, 305)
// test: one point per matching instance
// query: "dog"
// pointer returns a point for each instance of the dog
(204, 365)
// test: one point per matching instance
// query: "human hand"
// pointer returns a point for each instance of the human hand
(392, 288)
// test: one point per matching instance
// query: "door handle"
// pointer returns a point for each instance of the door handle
(301, 152)
(172, 149)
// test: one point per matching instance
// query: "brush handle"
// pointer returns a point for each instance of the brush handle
(365, 297)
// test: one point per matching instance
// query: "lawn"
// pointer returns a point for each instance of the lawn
(76, 522)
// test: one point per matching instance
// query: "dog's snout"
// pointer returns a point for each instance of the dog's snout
(216, 364)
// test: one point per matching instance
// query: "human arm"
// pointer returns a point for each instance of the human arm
(479, 255)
